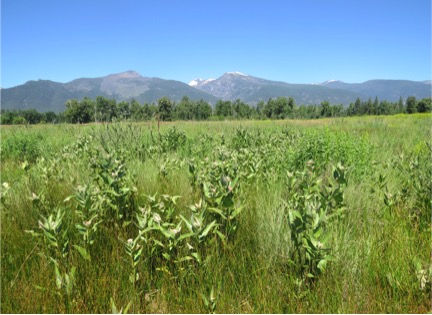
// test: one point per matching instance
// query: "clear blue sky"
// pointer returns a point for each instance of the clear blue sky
(296, 41)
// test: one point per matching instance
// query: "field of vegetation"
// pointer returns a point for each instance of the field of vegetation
(287, 216)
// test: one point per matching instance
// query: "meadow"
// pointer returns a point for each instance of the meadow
(288, 216)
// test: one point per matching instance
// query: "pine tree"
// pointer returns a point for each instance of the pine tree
(411, 105)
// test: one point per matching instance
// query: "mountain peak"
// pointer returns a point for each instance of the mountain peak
(126, 74)
(198, 82)
(237, 73)
(331, 81)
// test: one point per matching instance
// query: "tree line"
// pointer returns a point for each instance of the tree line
(103, 109)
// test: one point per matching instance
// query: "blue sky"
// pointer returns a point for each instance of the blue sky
(303, 41)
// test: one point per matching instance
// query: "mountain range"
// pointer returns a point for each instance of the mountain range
(46, 95)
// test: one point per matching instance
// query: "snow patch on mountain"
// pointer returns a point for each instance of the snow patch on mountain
(330, 81)
(195, 82)
(199, 82)
(238, 73)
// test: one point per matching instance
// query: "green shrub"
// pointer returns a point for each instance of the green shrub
(23, 146)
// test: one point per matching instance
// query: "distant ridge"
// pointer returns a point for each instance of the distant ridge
(233, 85)
(46, 95)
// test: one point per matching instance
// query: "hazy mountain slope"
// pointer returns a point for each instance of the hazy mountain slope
(234, 85)
(304, 94)
(42, 95)
(175, 90)
(46, 95)
(390, 90)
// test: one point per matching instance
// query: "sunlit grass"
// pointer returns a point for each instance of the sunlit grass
(375, 247)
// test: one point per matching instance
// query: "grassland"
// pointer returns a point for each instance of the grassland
(294, 216)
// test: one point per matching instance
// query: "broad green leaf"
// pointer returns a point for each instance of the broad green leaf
(183, 236)
(114, 309)
(166, 232)
(221, 236)
(322, 265)
(185, 258)
(206, 302)
(234, 182)
(127, 307)
(69, 281)
(296, 214)
(59, 279)
(83, 252)
(188, 223)
(137, 257)
(158, 243)
(197, 256)
(218, 211)
(236, 212)
(228, 201)
(207, 229)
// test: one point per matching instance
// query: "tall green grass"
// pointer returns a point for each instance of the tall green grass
(201, 217)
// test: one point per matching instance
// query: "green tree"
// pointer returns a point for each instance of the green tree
(337, 110)
(357, 107)
(384, 108)
(260, 108)
(31, 116)
(290, 108)
(224, 109)
(50, 117)
(135, 110)
(106, 109)
(351, 110)
(146, 113)
(424, 105)
(123, 110)
(411, 105)
(325, 109)
(400, 106)
(375, 105)
(78, 112)
(89, 107)
(204, 110)
(185, 109)
(368, 107)
(7, 117)
(241, 109)
(268, 108)
(279, 108)
(165, 108)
